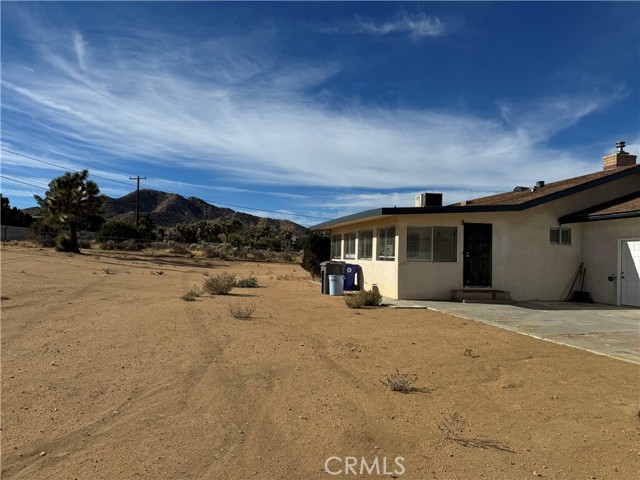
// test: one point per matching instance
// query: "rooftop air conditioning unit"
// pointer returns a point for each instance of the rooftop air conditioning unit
(429, 200)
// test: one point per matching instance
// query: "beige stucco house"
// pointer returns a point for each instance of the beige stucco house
(525, 244)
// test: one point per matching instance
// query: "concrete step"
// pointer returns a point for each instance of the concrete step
(481, 294)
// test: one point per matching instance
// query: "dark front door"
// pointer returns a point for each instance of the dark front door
(477, 255)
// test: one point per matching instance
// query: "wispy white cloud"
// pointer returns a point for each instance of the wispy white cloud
(79, 46)
(230, 109)
(416, 26)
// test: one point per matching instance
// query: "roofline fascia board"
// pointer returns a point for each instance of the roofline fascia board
(389, 211)
(596, 218)
(368, 214)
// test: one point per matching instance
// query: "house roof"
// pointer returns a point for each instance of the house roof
(502, 202)
(567, 187)
(623, 207)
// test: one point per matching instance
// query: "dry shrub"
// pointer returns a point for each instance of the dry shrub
(242, 312)
(192, 294)
(400, 382)
(221, 284)
(179, 248)
(223, 251)
(249, 282)
(364, 298)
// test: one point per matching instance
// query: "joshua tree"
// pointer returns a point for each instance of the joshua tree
(71, 199)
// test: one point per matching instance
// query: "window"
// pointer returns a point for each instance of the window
(336, 246)
(365, 244)
(419, 243)
(560, 236)
(432, 244)
(387, 243)
(350, 245)
(445, 243)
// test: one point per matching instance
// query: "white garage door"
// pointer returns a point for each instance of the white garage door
(630, 272)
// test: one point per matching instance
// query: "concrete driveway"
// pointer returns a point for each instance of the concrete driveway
(603, 329)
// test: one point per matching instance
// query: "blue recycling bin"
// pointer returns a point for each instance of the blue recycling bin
(350, 276)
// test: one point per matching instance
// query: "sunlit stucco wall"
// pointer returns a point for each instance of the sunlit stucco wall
(600, 253)
(524, 262)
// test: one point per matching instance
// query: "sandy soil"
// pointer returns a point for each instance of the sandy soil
(107, 373)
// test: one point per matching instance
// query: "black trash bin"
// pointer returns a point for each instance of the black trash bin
(351, 276)
(330, 267)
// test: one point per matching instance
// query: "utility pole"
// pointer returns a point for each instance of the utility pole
(138, 178)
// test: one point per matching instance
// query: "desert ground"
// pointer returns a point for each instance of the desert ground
(108, 373)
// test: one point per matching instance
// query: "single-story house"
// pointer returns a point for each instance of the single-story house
(525, 244)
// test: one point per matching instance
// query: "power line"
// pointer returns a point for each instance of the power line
(114, 168)
(24, 183)
(57, 146)
(28, 178)
(64, 168)
(208, 201)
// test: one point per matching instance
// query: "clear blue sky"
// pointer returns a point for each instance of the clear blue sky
(315, 109)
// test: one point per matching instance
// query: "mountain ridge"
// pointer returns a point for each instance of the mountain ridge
(170, 209)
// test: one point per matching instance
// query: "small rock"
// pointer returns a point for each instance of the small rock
(42, 454)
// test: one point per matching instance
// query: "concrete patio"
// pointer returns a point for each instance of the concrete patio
(602, 329)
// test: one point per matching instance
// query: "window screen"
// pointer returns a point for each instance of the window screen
(419, 243)
(350, 245)
(445, 241)
(365, 244)
(336, 246)
(387, 243)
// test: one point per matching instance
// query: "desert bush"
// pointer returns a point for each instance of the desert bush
(364, 298)
(179, 248)
(126, 245)
(249, 282)
(316, 249)
(242, 312)
(130, 246)
(223, 251)
(221, 284)
(63, 243)
(109, 245)
(192, 294)
(400, 382)
(116, 230)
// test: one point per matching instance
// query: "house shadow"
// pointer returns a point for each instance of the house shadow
(559, 306)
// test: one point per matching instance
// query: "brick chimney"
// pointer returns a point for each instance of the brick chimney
(619, 159)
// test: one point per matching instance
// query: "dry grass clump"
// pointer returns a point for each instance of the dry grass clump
(240, 311)
(400, 382)
(192, 294)
(221, 284)
(179, 248)
(364, 298)
(454, 427)
(249, 282)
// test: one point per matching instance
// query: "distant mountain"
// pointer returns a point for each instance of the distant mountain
(169, 209)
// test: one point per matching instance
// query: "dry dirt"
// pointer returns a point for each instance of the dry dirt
(107, 373)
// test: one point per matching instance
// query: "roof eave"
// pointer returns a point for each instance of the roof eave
(595, 218)
(370, 214)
